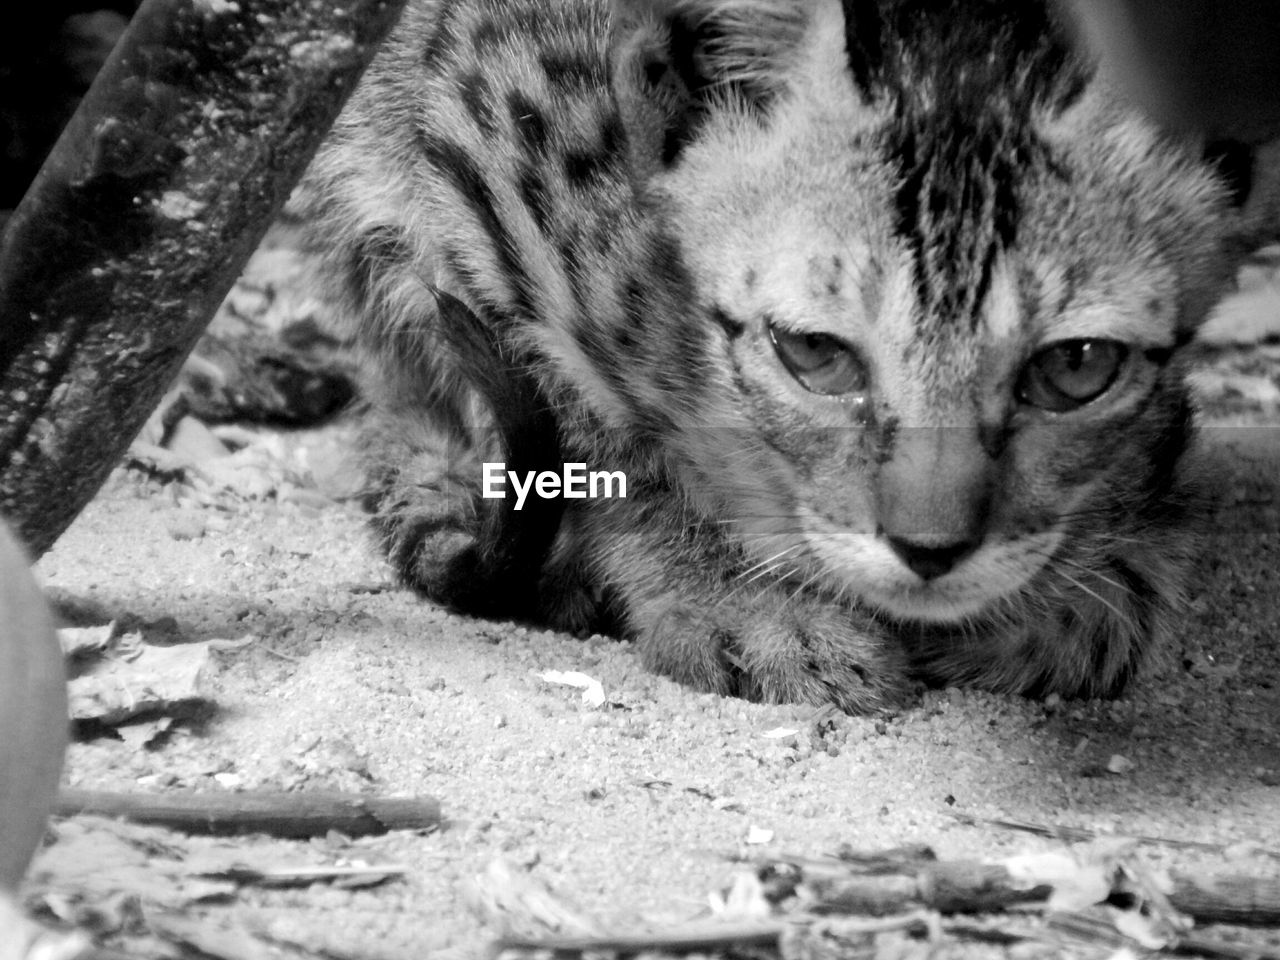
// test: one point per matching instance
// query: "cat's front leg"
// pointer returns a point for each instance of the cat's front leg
(690, 598)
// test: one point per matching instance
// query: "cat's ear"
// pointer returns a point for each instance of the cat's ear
(674, 62)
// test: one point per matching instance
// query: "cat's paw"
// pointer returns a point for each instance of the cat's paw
(778, 649)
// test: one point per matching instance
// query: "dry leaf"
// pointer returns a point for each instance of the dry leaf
(157, 679)
(69, 879)
(194, 442)
(1143, 929)
(141, 733)
(83, 641)
(269, 873)
(229, 942)
(592, 690)
(24, 939)
(1151, 890)
(1075, 884)
(513, 903)
(256, 471)
(745, 899)
(780, 733)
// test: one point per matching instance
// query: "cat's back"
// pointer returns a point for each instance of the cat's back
(501, 86)
(479, 150)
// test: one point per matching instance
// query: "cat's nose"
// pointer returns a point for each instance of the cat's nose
(930, 560)
(933, 498)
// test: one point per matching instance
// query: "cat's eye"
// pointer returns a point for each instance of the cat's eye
(1070, 374)
(820, 362)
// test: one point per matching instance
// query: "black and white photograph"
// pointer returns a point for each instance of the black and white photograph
(619, 479)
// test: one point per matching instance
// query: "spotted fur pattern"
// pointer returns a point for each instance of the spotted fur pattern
(599, 231)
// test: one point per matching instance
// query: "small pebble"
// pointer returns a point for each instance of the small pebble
(187, 525)
(1119, 764)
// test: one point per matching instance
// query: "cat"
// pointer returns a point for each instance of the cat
(878, 305)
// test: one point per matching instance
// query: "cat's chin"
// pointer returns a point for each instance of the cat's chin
(931, 605)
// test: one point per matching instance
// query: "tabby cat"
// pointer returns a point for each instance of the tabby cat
(878, 305)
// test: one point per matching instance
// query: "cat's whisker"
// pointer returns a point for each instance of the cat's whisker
(752, 572)
(1056, 561)
(794, 595)
(740, 587)
(1082, 568)
(1093, 593)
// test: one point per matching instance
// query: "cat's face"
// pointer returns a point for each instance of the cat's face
(946, 321)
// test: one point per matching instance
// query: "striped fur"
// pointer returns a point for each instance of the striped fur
(583, 231)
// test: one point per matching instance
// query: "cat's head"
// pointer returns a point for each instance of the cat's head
(946, 276)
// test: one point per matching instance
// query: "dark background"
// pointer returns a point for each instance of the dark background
(46, 64)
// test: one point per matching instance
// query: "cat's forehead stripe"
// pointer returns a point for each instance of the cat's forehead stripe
(959, 151)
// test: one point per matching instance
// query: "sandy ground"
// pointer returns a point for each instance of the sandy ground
(633, 811)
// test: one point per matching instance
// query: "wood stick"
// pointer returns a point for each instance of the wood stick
(713, 937)
(708, 937)
(178, 159)
(303, 876)
(1082, 834)
(1098, 930)
(963, 887)
(292, 815)
(1201, 946)
(1243, 900)
(948, 886)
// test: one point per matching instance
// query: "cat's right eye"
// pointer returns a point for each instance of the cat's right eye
(1067, 375)
(820, 362)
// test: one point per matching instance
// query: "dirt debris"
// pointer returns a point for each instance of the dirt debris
(635, 804)
(632, 807)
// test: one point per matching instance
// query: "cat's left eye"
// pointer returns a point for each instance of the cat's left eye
(1069, 374)
(822, 363)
